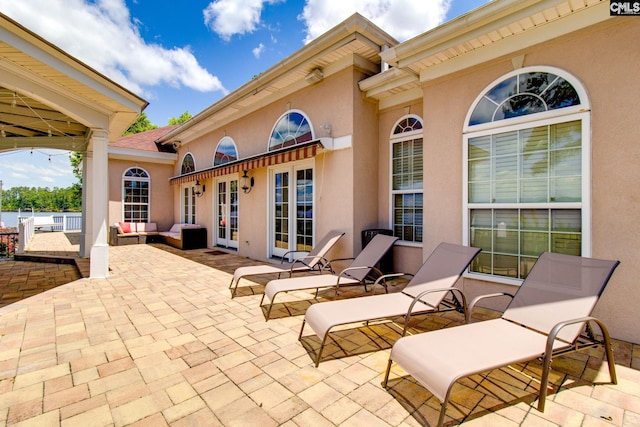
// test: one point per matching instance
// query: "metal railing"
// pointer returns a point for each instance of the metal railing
(8, 240)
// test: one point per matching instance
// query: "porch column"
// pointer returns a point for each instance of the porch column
(97, 198)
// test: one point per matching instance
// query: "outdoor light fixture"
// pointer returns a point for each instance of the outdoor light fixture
(198, 189)
(246, 182)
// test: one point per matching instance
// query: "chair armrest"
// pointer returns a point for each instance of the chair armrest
(473, 303)
(418, 297)
(385, 277)
(544, 380)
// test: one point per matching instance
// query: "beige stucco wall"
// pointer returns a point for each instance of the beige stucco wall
(161, 204)
(406, 258)
(606, 61)
(335, 101)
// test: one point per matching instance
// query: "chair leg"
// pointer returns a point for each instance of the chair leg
(321, 348)
(544, 381)
(386, 374)
(304, 321)
(270, 306)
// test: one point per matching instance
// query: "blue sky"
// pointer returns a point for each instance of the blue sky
(184, 56)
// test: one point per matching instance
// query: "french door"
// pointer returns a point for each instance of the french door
(291, 209)
(188, 204)
(226, 218)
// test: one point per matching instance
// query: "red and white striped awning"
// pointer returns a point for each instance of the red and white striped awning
(303, 151)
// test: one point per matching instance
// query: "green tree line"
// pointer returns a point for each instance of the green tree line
(43, 199)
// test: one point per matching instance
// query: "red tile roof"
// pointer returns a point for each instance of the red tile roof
(145, 141)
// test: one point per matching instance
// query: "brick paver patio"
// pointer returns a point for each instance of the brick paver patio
(160, 342)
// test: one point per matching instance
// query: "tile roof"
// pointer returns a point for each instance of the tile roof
(145, 141)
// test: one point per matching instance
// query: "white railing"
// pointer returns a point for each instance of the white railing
(56, 222)
(27, 226)
(25, 233)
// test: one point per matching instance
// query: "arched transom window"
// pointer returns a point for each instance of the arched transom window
(522, 94)
(135, 195)
(291, 129)
(225, 152)
(188, 164)
(406, 179)
(527, 152)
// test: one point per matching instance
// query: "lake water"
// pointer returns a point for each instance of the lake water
(10, 219)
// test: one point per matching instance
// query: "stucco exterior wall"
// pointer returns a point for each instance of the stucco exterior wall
(327, 102)
(406, 258)
(161, 203)
(613, 92)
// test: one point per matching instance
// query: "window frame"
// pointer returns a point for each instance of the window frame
(398, 138)
(581, 113)
(146, 179)
(222, 141)
(270, 147)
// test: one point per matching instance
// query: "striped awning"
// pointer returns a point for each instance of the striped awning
(303, 151)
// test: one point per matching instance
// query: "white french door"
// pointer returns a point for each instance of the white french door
(226, 217)
(188, 204)
(291, 209)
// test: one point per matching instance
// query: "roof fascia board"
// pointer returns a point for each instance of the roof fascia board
(355, 27)
(18, 36)
(388, 80)
(401, 98)
(141, 156)
(492, 16)
(577, 21)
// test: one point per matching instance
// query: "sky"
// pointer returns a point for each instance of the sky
(185, 56)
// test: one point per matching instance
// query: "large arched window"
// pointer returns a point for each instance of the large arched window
(135, 195)
(406, 179)
(527, 152)
(226, 151)
(290, 129)
(188, 164)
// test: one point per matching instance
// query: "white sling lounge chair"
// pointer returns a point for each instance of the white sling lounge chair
(549, 315)
(357, 272)
(425, 293)
(314, 260)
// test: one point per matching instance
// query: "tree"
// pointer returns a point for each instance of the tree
(75, 158)
(141, 124)
(178, 121)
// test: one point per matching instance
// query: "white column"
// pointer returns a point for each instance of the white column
(97, 192)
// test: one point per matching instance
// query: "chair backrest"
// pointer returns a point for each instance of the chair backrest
(442, 269)
(371, 254)
(319, 251)
(558, 288)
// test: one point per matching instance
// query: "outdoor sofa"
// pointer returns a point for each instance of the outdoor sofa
(181, 236)
(133, 233)
(185, 236)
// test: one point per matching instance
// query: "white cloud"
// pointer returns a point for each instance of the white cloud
(402, 19)
(230, 17)
(257, 51)
(117, 49)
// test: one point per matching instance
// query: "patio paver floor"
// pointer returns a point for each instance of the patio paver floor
(160, 342)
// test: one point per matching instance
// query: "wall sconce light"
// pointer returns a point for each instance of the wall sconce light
(246, 182)
(198, 189)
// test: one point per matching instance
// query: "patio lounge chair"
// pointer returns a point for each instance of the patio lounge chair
(425, 293)
(356, 273)
(314, 260)
(549, 315)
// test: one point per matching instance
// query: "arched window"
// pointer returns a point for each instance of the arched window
(135, 195)
(188, 164)
(225, 152)
(526, 148)
(523, 94)
(406, 179)
(290, 129)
